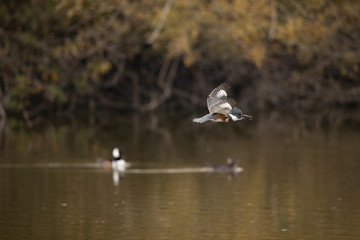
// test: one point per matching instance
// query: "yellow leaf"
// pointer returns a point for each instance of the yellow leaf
(105, 67)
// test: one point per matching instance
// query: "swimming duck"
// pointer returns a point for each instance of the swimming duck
(222, 108)
(117, 161)
(229, 166)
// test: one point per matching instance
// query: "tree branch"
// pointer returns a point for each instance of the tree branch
(3, 116)
(161, 22)
(166, 87)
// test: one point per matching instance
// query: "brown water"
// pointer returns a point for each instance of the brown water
(299, 181)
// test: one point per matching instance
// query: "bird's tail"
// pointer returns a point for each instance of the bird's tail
(204, 118)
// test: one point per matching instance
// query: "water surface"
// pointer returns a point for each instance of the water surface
(300, 180)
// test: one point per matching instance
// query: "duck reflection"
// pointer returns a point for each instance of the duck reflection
(117, 175)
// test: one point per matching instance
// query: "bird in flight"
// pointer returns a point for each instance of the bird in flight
(222, 108)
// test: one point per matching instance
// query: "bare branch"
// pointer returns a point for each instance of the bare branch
(161, 22)
(3, 116)
(274, 21)
(166, 87)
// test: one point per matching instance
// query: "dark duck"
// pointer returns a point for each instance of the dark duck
(229, 166)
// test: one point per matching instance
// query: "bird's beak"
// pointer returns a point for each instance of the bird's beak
(247, 117)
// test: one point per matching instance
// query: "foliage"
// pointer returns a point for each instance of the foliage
(61, 55)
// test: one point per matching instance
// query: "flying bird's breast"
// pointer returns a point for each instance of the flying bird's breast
(220, 118)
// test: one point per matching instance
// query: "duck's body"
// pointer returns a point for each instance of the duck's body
(222, 108)
(229, 166)
(119, 165)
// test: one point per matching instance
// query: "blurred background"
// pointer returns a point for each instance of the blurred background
(71, 55)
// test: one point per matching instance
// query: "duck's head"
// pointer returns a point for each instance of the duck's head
(117, 153)
(232, 161)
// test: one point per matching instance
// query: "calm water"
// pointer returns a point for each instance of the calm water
(299, 180)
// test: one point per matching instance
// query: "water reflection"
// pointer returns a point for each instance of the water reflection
(117, 175)
(299, 180)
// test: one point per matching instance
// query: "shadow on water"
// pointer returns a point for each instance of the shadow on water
(300, 179)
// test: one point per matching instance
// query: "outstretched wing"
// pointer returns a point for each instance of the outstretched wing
(222, 106)
(217, 101)
(220, 92)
